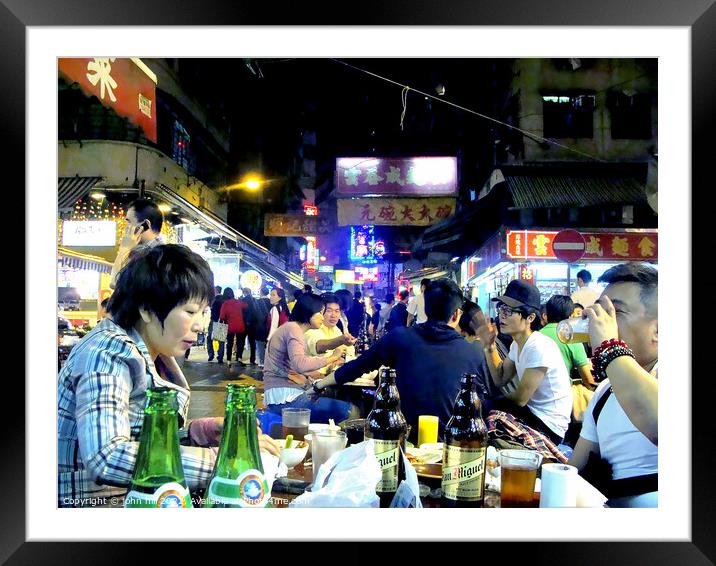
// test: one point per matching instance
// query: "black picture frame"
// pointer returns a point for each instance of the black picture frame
(699, 15)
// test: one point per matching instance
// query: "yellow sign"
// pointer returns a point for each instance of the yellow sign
(394, 212)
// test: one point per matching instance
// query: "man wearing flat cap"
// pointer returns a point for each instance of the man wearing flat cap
(542, 395)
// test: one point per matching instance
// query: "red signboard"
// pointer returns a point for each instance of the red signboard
(569, 246)
(414, 176)
(526, 274)
(309, 210)
(599, 246)
(125, 85)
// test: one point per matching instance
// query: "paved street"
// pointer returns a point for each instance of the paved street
(208, 382)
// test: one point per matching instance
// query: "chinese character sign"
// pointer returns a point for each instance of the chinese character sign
(296, 225)
(426, 176)
(394, 212)
(127, 86)
(606, 246)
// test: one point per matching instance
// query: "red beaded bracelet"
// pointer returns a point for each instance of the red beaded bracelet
(608, 343)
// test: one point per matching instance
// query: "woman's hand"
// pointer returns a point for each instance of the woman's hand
(602, 321)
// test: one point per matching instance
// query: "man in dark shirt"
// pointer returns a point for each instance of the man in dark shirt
(398, 316)
(429, 359)
(215, 310)
(356, 315)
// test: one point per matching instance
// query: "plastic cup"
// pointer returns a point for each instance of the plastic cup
(519, 472)
(324, 445)
(427, 429)
(573, 331)
(295, 422)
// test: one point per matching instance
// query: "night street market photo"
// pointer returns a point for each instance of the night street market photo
(383, 288)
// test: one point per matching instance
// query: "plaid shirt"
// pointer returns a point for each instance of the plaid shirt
(506, 426)
(100, 408)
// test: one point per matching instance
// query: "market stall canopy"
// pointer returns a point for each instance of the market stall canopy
(71, 189)
(565, 185)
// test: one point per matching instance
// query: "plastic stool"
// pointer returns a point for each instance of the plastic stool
(269, 422)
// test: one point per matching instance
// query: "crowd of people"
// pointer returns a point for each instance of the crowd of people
(598, 398)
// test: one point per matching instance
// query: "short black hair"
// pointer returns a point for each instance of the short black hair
(578, 306)
(469, 309)
(389, 297)
(306, 306)
(158, 279)
(442, 298)
(308, 288)
(559, 307)
(228, 293)
(246, 291)
(104, 303)
(218, 290)
(330, 299)
(297, 294)
(425, 282)
(357, 295)
(644, 275)
(404, 294)
(584, 275)
(145, 209)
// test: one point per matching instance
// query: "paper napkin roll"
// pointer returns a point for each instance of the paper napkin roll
(559, 486)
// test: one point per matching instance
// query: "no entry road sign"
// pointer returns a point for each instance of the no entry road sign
(569, 246)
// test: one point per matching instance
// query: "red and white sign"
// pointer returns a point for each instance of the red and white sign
(310, 210)
(527, 274)
(639, 245)
(126, 85)
(569, 246)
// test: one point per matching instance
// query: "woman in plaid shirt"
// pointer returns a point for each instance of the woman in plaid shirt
(155, 314)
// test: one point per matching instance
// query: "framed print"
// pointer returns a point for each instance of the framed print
(37, 32)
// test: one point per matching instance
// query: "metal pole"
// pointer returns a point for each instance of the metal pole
(569, 278)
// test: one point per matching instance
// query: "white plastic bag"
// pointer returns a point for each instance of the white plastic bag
(408, 494)
(346, 479)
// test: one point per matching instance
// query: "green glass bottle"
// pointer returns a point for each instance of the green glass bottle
(238, 478)
(158, 479)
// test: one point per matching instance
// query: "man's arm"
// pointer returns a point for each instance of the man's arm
(528, 385)
(580, 456)
(636, 389)
(322, 346)
(381, 354)
(501, 371)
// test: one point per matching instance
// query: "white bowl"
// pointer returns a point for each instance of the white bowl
(322, 427)
(293, 455)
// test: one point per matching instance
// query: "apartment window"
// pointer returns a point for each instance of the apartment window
(180, 149)
(631, 115)
(568, 116)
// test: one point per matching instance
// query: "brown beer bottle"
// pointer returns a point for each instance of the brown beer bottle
(387, 426)
(465, 449)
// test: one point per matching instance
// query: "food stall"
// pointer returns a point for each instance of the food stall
(529, 255)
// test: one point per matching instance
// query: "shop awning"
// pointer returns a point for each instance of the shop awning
(251, 251)
(76, 260)
(71, 189)
(565, 185)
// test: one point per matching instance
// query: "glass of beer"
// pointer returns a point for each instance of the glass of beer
(519, 472)
(295, 422)
(573, 331)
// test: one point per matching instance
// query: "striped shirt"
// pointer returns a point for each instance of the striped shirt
(101, 393)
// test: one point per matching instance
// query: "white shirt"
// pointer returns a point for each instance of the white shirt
(552, 400)
(620, 443)
(417, 309)
(585, 296)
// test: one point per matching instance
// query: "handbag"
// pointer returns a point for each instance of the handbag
(219, 331)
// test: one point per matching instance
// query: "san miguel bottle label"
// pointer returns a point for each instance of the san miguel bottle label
(169, 495)
(463, 469)
(250, 489)
(387, 452)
